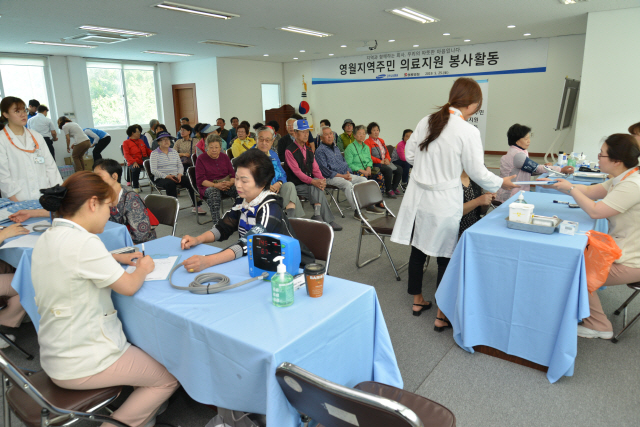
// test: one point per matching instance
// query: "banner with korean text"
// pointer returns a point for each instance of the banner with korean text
(512, 57)
(479, 119)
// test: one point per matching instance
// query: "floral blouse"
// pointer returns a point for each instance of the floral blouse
(132, 212)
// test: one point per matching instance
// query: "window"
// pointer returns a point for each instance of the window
(122, 94)
(24, 78)
(270, 97)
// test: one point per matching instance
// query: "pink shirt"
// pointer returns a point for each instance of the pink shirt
(400, 150)
(293, 165)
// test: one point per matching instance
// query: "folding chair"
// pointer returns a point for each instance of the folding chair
(315, 235)
(329, 189)
(191, 173)
(4, 337)
(367, 194)
(369, 404)
(165, 209)
(635, 287)
(152, 183)
(230, 153)
(194, 157)
(37, 401)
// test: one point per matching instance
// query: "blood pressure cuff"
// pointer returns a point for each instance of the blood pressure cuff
(521, 161)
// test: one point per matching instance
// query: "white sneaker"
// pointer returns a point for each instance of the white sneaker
(590, 333)
(4, 344)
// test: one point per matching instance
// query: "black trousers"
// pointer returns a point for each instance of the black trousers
(101, 145)
(135, 176)
(391, 177)
(50, 146)
(416, 273)
(171, 187)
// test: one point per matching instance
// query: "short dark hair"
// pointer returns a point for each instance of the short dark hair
(246, 123)
(516, 133)
(372, 125)
(634, 129)
(623, 147)
(131, 129)
(404, 132)
(42, 108)
(258, 164)
(232, 118)
(188, 128)
(110, 166)
(258, 126)
(160, 125)
(220, 118)
(34, 103)
(186, 119)
(274, 125)
(244, 126)
(326, 122)
(297, 116)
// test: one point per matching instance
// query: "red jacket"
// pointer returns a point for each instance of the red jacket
(134, 151)
(371, 144)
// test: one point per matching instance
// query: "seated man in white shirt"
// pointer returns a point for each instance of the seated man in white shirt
(45, 127)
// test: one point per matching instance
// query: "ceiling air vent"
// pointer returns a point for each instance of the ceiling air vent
(102, 38)
(228, 44)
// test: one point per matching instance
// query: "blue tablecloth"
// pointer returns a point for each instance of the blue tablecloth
(570, 178)
(115, 236)
(520, 292)
(224, 348)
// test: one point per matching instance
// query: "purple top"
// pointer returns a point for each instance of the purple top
(208, 169)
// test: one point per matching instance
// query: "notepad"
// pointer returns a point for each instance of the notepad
(26, 241)
(162, 269)
(535, 182)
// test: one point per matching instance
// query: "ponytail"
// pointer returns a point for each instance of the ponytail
(464, 92)
(67, 199)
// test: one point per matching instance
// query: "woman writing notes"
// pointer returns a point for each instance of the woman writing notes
(441, 147)
(620, 205)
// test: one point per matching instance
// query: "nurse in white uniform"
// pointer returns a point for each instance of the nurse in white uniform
(442, 146)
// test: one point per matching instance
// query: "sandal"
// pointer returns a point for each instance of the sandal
(442, 328)
(424, 307)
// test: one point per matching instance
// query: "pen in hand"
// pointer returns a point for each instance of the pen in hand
(143, 249)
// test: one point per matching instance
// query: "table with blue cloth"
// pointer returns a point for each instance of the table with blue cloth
(570, 178)
(224, 348)
(520, 292)
(115, 236)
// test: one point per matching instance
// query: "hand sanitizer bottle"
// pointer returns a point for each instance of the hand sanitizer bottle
(281, 285)
(521, 198)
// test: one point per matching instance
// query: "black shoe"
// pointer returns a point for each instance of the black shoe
(425, 307)
(442, 328)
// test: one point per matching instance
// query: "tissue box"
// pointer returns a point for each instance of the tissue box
(521, 212)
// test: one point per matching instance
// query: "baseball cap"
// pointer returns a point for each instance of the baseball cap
(301, 125)
(209, 128)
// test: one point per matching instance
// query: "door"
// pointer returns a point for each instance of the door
(184, 103)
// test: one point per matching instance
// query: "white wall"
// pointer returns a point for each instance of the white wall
(609, 90)
(239, 83)
(204, 73)
(531, 99)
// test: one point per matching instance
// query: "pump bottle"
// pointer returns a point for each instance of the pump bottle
(521, 198)
(281, 285)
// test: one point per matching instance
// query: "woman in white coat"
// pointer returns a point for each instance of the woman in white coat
(26, 164)
(441, 147)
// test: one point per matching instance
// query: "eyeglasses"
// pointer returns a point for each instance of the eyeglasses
(601, 156)
(265, 139)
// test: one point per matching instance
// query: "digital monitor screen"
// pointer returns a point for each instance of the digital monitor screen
(265, 249)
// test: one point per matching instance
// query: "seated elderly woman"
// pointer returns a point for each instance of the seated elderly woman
(382, 160)
(517, 161)
(215, 175)
(279, 184)
(243, 142)
(129, 209)
(185, 146)
(256, 205)
(620, 205)
(168, 171)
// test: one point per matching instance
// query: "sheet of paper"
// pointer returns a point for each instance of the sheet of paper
(534, 182)
(161, 271)
(30, 226)
(26, 241)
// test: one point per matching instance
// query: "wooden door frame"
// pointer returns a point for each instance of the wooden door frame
(176, 116)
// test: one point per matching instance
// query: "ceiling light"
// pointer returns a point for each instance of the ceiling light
(344, 45)
(195, 10)
(116, 31)
(60, 44)
(157, 52)
(266, 54)
(467, 40)
(511, 26)
(391, 41)
(527, 34)
(302, 51)
(571, 1)
(229, 44)
(305, 31)
(446, 34)
(414, 15)
(295, 58)
(331, 54)
(416, 45)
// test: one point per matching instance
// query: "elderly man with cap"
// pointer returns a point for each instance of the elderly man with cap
(303, 171)
(347, 137)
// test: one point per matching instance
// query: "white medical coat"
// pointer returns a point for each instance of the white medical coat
(433, 201)
(20, 175)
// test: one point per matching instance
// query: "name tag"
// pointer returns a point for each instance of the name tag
(38, 159)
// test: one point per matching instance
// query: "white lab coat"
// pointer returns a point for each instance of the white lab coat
(434, 198)
(20, 175)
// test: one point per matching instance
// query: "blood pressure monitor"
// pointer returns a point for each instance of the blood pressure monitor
(263, 248)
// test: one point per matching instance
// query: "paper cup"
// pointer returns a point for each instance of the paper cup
(314, 278)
